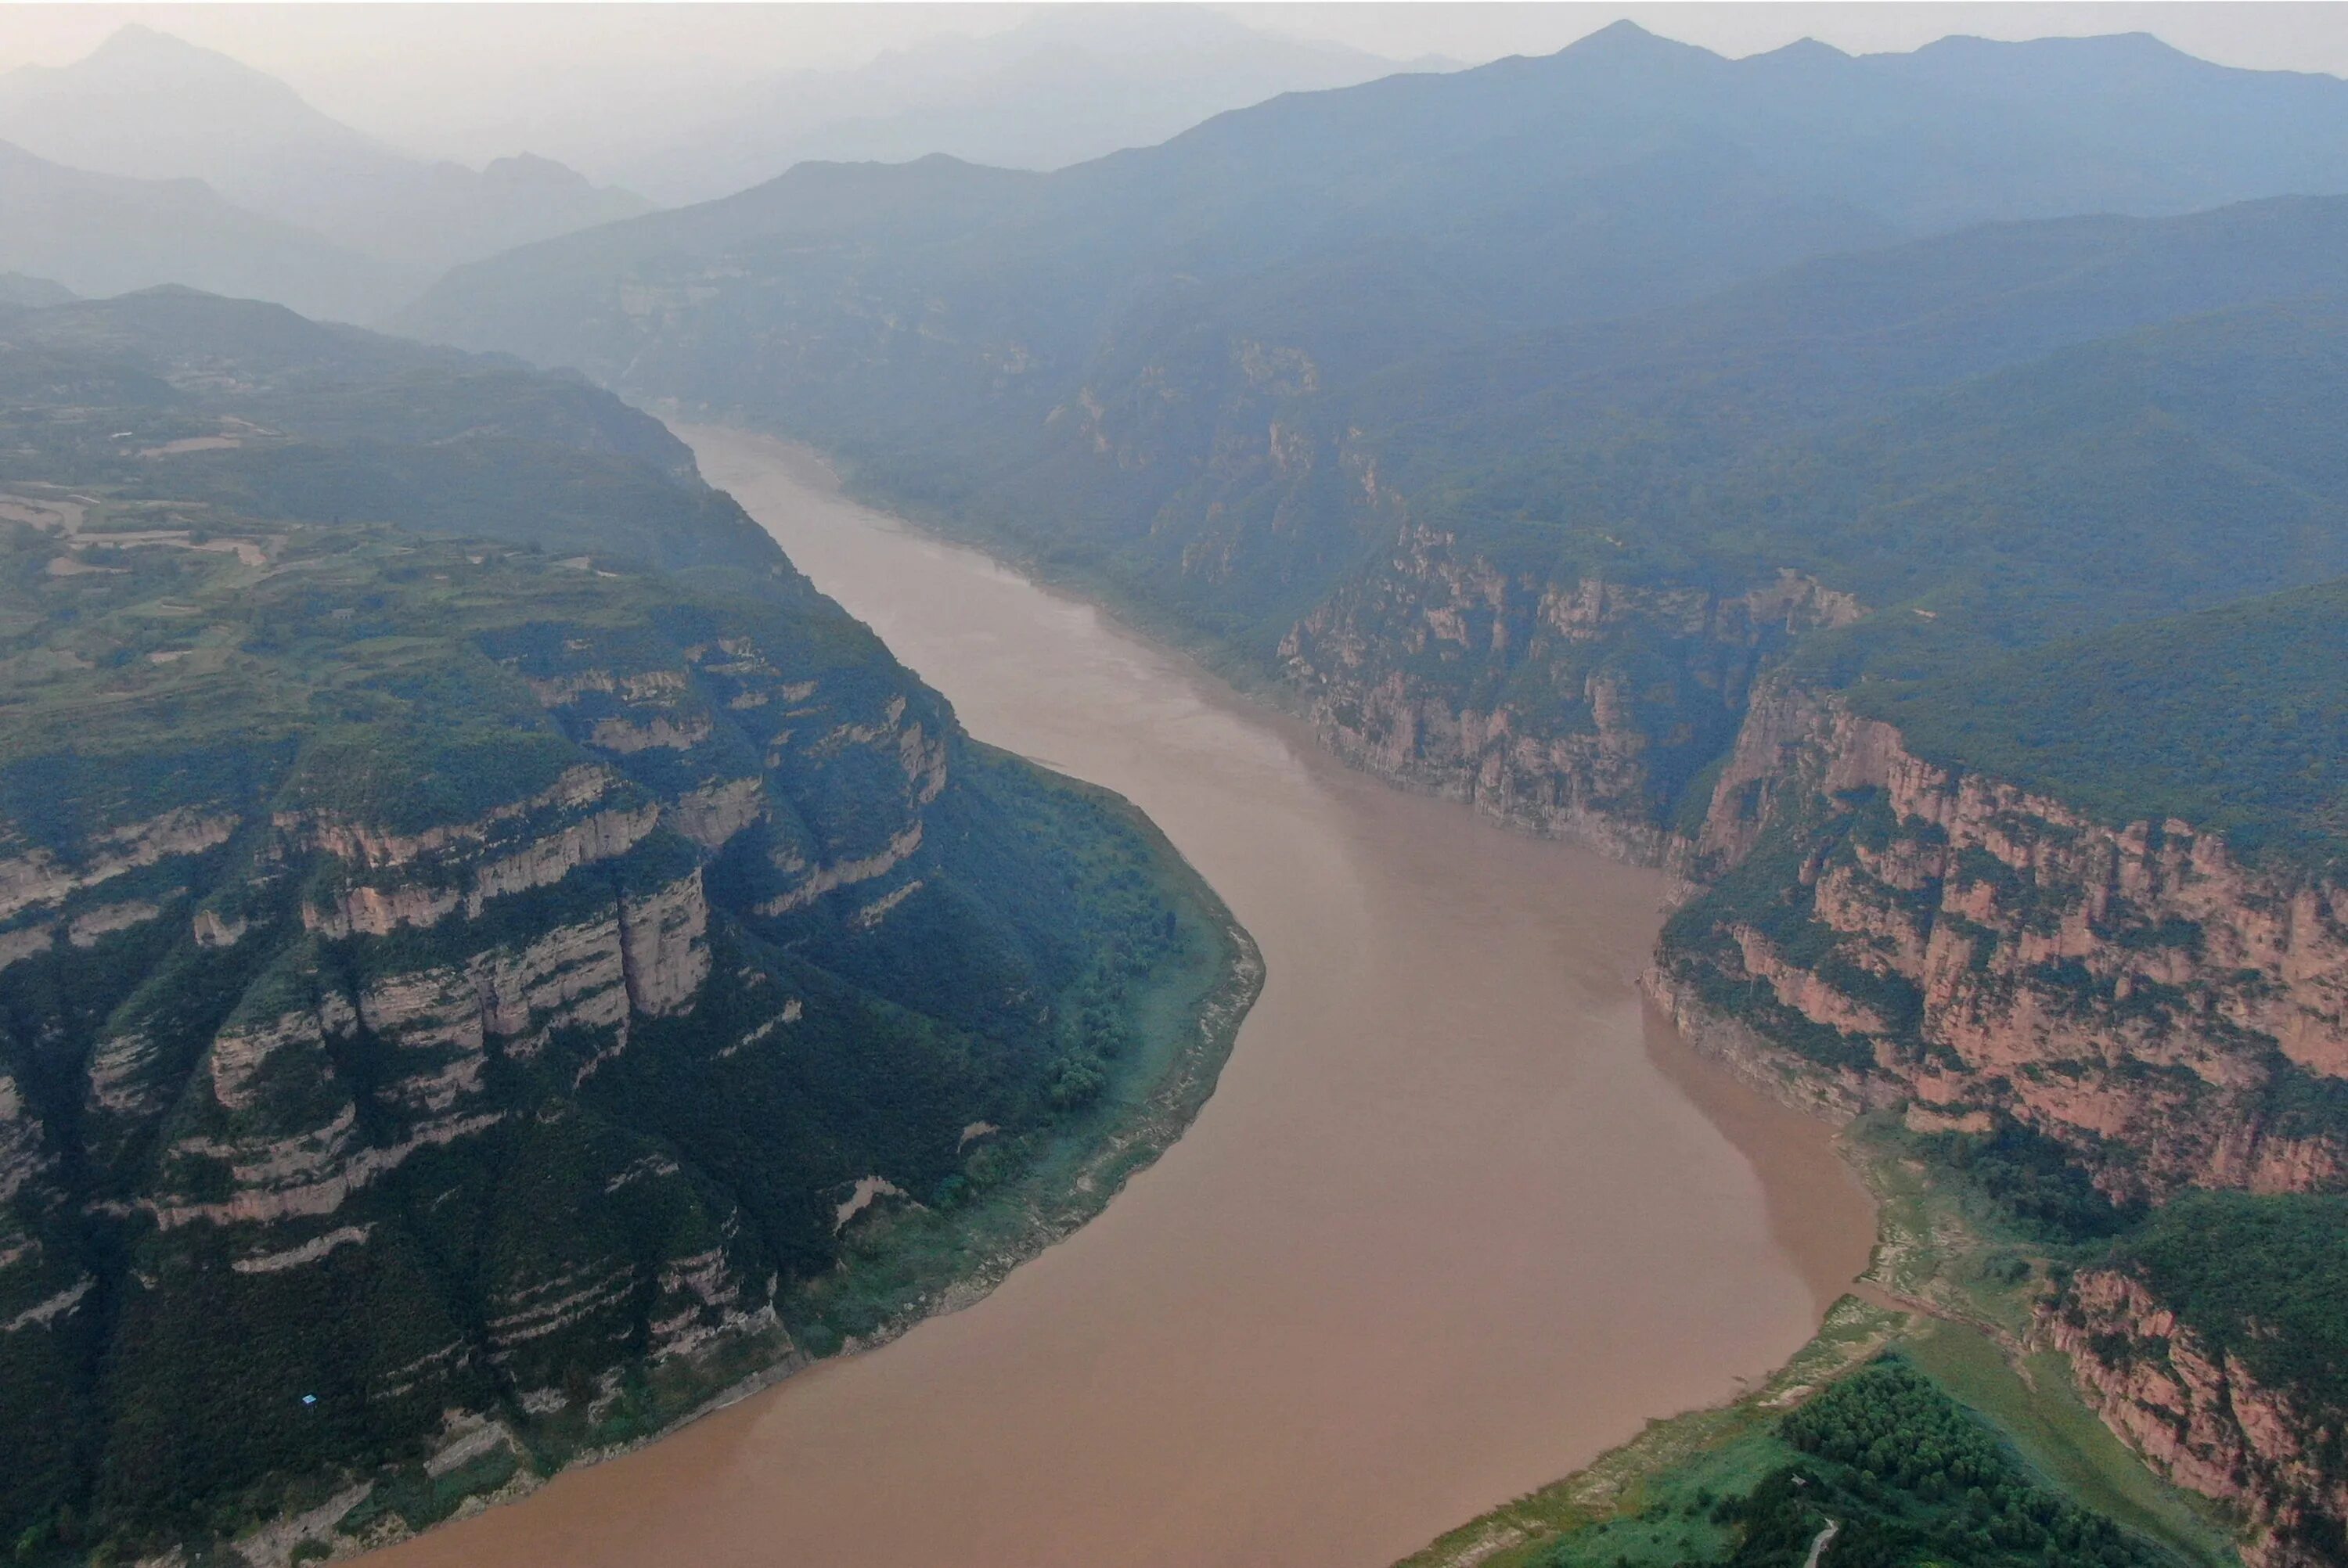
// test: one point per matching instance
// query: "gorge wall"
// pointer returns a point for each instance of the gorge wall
(1904, 929)
(1578, 708)
(1865, 927)
(1914, 931)
(2203, 1419)
(457, 963)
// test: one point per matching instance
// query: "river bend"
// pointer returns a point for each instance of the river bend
(1461, 1215)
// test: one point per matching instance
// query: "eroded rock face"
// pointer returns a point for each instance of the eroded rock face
(37, 876)
(2136, 992)
(21, 1153)
(1573, 707)
(714, 815)
(663, 943)
(341, 1015)
(66, 893)
(2201, 1418)
(1868, 929)
(420, 880)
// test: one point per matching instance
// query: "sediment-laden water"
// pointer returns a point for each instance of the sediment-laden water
(1459, 1216)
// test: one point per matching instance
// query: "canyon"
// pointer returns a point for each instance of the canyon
(1862, 927)
(1857, 609)
(1461, 1213)
(450, 986)
(2201, 1418)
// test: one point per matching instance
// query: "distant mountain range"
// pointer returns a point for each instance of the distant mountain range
(1365, 225)
(125, 132)
(1903, 495)
(101, 235)
(1075, 83)
(102, 156)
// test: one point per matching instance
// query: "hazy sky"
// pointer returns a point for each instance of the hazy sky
(472, 80)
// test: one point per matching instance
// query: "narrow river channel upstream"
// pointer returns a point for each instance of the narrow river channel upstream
(1461, 1215)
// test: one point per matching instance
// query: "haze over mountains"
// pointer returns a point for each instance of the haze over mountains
(1901, 494)
(106, 156)
(1071, 84)
(148, 105)
(1370, 223)
(103, 234)
(303, 210)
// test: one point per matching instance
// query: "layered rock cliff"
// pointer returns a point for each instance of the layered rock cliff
(1872, 927)
(449, 986)
(1910, 929)
(1570, 705)
(2201, 1418)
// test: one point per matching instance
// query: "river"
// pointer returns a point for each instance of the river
(1461, 1215)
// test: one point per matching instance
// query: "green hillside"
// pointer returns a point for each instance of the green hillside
(448, 964)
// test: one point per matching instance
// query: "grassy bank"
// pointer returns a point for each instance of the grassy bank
(904, 1258)
(1022, 1194)
(1948, 1299)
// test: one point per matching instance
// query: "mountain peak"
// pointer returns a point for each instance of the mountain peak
(135, 46)
(1803, 50)
(138, 38)
(1627, 43)
(2140, 48)
(529, 168)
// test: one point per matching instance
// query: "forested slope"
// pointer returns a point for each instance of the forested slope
(454, 974)
(1902, 495)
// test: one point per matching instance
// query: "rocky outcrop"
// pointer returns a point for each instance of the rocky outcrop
(605, 835)
(663, 941)
(712, 815)
(65, 894)
(470, 865)
(1837, 1091)
(2201, 1418)
(649, 955)
(35, 875)
(369, 845)
(812, 882)
(21, 1152)
(2134, 991)
(1574, 707)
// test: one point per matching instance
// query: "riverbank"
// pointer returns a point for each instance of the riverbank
(908, 1262)
(905, 1261)
(1946, 1295)
(1772, 1070)
(1445, 1135)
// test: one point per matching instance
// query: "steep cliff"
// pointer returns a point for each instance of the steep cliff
(1944, 896)
(2213, 1344)
(1912, 929)
(1570, 706)
(450, 986)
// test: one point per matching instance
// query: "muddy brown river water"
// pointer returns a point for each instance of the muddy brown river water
(1461, 1215)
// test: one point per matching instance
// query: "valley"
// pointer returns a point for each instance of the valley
(1459, 1215)
(469, 996)
(1604, 792)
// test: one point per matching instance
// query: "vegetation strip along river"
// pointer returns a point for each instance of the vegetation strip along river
(1461, 1215)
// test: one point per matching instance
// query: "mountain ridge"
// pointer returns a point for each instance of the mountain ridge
(471, 914)
(145, 105)
(109, 234)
